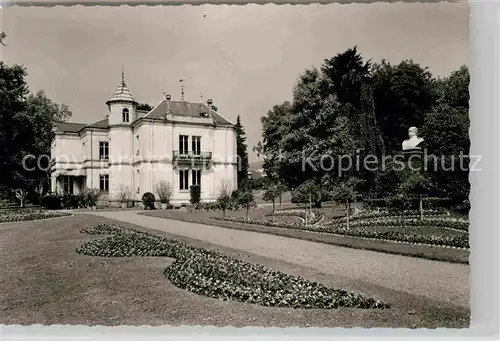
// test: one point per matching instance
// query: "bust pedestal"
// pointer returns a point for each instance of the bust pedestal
(413, 158)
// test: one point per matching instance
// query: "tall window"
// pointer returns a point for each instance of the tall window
(103, 150)
(137, 151)
(184, 179)
(183, 144)
(196, 145)
(138, 181)
(68, 185)
(196, 177)
(125, 115)
(104, 182)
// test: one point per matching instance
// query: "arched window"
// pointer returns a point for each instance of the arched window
(125, 115)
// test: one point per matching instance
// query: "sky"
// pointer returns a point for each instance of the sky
(245, 58)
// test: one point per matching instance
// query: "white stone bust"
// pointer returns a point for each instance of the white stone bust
(413, 141)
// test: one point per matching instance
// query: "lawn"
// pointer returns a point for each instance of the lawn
(44, 280)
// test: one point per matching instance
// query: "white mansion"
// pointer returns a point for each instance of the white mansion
(178, 142)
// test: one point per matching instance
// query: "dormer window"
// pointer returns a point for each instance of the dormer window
(125, 115)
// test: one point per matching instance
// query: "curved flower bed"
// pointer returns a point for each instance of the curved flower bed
(213, 274)
(212, 207)
(449, 223)
(313, 217)
(28, 215)
(387, 214)
(461, 241)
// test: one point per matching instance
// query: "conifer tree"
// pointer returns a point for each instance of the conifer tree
(241, 150)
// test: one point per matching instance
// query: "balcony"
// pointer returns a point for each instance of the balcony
(192, 158)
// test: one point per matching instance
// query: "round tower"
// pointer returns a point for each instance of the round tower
(122, 112)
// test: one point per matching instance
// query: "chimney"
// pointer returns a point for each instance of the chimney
(168, 97)
(209, 103)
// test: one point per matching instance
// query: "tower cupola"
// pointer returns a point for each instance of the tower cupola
(122, 105)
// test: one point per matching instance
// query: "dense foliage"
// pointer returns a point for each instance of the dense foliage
(148, 200)
(241, 151)
(194, 194)
(210, 273)
(26, 133)
(349, 109)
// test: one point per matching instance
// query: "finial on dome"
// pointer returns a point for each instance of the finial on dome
(122, 93)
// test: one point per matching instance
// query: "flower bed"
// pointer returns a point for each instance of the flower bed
(448, 223)
(213, 274)
(212, 207)
(28, 215)
(313, 217)
(455, 241)
(386, 214)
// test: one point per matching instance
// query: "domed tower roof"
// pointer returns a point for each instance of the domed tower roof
(122, 93)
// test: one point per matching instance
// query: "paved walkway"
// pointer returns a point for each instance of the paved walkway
(436, 280)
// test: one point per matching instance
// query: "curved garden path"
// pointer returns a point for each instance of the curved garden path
(432, 279)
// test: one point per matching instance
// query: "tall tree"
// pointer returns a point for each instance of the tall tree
(349, 79)
(402, 95)
(241, 151)
(446, 133)
(346, 73)
(13, 93)
(26, 131)
(269, 147)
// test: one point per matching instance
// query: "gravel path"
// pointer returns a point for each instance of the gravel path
(433, 279)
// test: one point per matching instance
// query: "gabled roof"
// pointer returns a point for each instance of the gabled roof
(66, 127)
(183, 108)
(100, 124)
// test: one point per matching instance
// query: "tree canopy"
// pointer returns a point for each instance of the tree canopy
(354, 107)
(26, 131)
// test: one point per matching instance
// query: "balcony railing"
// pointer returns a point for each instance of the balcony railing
(192, 156)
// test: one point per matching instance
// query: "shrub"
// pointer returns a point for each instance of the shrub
(51, 202)
(195, 194)
(92, 195)
(81, 200)
(164, 191)
(310, 190)
(124, 194)
(70, 201)
(224, 199)
(148, 200)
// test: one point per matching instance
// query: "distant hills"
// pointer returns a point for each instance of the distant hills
(257, 170)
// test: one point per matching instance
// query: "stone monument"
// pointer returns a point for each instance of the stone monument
(412, 148)
(414, 141)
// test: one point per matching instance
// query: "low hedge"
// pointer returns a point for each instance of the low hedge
(210, 273)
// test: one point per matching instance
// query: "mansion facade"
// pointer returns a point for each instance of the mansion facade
(179, 142)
